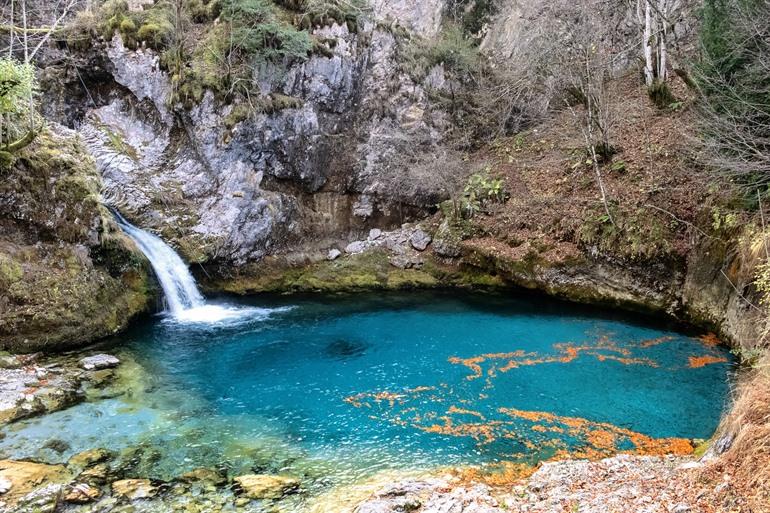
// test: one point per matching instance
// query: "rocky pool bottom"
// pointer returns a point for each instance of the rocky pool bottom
(300, 403)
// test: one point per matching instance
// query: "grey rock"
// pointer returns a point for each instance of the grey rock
(405, 261)
(420, 240)
(375, 233)
(42, 500)
(334, 254)
(356, 247)
(99, 361)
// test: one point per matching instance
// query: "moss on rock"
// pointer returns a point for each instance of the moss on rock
(69, 278)
(371, 270)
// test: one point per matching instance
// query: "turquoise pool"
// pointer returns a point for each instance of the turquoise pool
(335, 388)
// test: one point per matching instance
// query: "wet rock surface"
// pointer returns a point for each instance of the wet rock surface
(260, 486)
(39, 385)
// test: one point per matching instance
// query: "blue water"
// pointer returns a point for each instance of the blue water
(336, 388)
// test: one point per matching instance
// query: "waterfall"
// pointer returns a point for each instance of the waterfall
(178, 285)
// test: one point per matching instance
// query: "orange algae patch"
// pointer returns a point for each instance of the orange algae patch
(701, 361)
(710, 340)
(482, 432)
(603, 350)
(656, 341)
(603, 438)
(462, 411)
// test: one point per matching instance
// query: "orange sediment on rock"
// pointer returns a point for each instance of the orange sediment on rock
(503, 474)
(701, 361)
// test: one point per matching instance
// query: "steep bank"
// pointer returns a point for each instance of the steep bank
(68, 276)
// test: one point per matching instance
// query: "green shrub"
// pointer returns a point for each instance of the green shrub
(156, 35)
(127, 26)
(259, 34)
(451, 48)
(18, 105)
(482, 190)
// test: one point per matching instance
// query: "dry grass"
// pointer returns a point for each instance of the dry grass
(740, 478)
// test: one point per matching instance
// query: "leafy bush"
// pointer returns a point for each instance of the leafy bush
(481, 191)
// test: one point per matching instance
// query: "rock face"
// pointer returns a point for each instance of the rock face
(228, 188)
(67, 274)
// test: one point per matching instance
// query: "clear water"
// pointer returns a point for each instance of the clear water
(333, 389)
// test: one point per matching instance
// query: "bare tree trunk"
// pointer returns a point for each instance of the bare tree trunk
(661, 39)
(649, 73)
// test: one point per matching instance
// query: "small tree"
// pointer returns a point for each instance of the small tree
(19, 119)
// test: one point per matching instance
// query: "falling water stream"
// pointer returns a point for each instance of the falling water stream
(184, 302)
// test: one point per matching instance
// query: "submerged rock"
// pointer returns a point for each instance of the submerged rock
(99, 362)
(203, 475)
(263, 486)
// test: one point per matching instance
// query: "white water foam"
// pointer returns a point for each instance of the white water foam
(184, 302)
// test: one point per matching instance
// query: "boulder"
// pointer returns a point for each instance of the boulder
(406, 262)
(99, 361)
(264, 486)
(134, 489)
(375, 233)
(420, 240)
(356, 247)
(334, 254)
(89, 458)
(19, 478)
